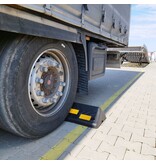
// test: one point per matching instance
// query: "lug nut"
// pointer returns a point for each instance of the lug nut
(53, 63)
(45, 100)
(40, 93)
(59, 93)
(53, 100)
(49, 63)
(62, 83)
(43, 69)
(38, 80)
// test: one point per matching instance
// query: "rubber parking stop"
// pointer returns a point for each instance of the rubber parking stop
(86, 115)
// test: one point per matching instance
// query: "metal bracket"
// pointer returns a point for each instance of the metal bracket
(48, 9)
(120, 27)
(113, 22)
(102, 17)
(83, 11)
(125, 30)
(85, 7)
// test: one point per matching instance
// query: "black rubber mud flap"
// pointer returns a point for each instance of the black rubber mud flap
(86, 115)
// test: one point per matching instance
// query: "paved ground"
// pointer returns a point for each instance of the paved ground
(103, 88)
(129, 131)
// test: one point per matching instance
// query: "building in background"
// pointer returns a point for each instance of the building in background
(152, 56)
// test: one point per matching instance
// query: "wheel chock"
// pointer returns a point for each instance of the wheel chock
(86, 115)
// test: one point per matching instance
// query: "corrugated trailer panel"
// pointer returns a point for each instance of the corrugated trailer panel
(110, 21)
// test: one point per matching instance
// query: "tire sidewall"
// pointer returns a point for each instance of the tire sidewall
(28, 121)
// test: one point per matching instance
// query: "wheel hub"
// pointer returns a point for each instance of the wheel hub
(46, 81)
(51, 81)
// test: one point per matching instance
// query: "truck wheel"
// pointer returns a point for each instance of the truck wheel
(38, 82)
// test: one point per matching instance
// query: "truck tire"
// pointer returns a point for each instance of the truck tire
(38, 83)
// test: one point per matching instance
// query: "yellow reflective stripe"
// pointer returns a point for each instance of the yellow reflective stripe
(118, 93)
(74, 111)
(85, 117)
(56, 151)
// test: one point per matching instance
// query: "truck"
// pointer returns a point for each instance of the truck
(135, 54)
(48, 53)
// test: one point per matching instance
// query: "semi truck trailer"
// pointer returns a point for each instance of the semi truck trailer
(48, 53)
